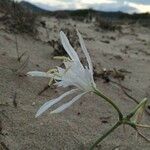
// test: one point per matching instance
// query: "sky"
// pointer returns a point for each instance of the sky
(129, 6)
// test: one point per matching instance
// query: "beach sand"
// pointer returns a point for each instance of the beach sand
(81, 124)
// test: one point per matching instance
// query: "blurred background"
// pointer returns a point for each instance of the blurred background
(128, 6)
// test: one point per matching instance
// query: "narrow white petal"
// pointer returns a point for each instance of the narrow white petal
(66, 105)
(39, 74)
(52, 102)
(68, 48)
(85, 52)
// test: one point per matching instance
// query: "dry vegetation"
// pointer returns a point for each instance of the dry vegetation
(107, 25)
(17, 19)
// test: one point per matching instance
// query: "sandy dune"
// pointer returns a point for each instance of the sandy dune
(77, 127)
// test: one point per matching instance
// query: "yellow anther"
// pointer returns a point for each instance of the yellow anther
(52, 71)
(51, 82)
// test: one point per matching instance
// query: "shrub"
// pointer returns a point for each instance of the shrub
(18, 19)
(23, 20)
(107, 24)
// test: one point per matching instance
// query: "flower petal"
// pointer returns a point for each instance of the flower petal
(66, 105)
(85, 52)
(39, 74)
(52, 102)
(68, 48)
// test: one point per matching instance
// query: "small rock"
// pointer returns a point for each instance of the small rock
(41, 123)
(33, 104)
(105, 41)
(118, 57)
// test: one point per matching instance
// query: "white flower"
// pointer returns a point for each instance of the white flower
(74, 74)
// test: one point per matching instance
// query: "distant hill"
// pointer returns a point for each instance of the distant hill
(84, 13)
(32, 7)
(78, 14)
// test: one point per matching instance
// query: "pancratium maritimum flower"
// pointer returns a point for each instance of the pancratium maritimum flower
(74, 74)
(81, 77)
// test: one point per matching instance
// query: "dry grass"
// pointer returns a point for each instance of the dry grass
(107, 24)
(17, 19)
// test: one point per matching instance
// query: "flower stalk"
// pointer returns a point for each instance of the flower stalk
(97, 92)
(141, 104)
(122, 120)
(105, 135)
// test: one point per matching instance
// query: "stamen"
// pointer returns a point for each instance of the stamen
(64, 58)
(52, 70)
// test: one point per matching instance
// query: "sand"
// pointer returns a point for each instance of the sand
(80, 125)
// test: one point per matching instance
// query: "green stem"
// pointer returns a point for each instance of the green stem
(142, 103)
(105, 135)
(109, 101)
